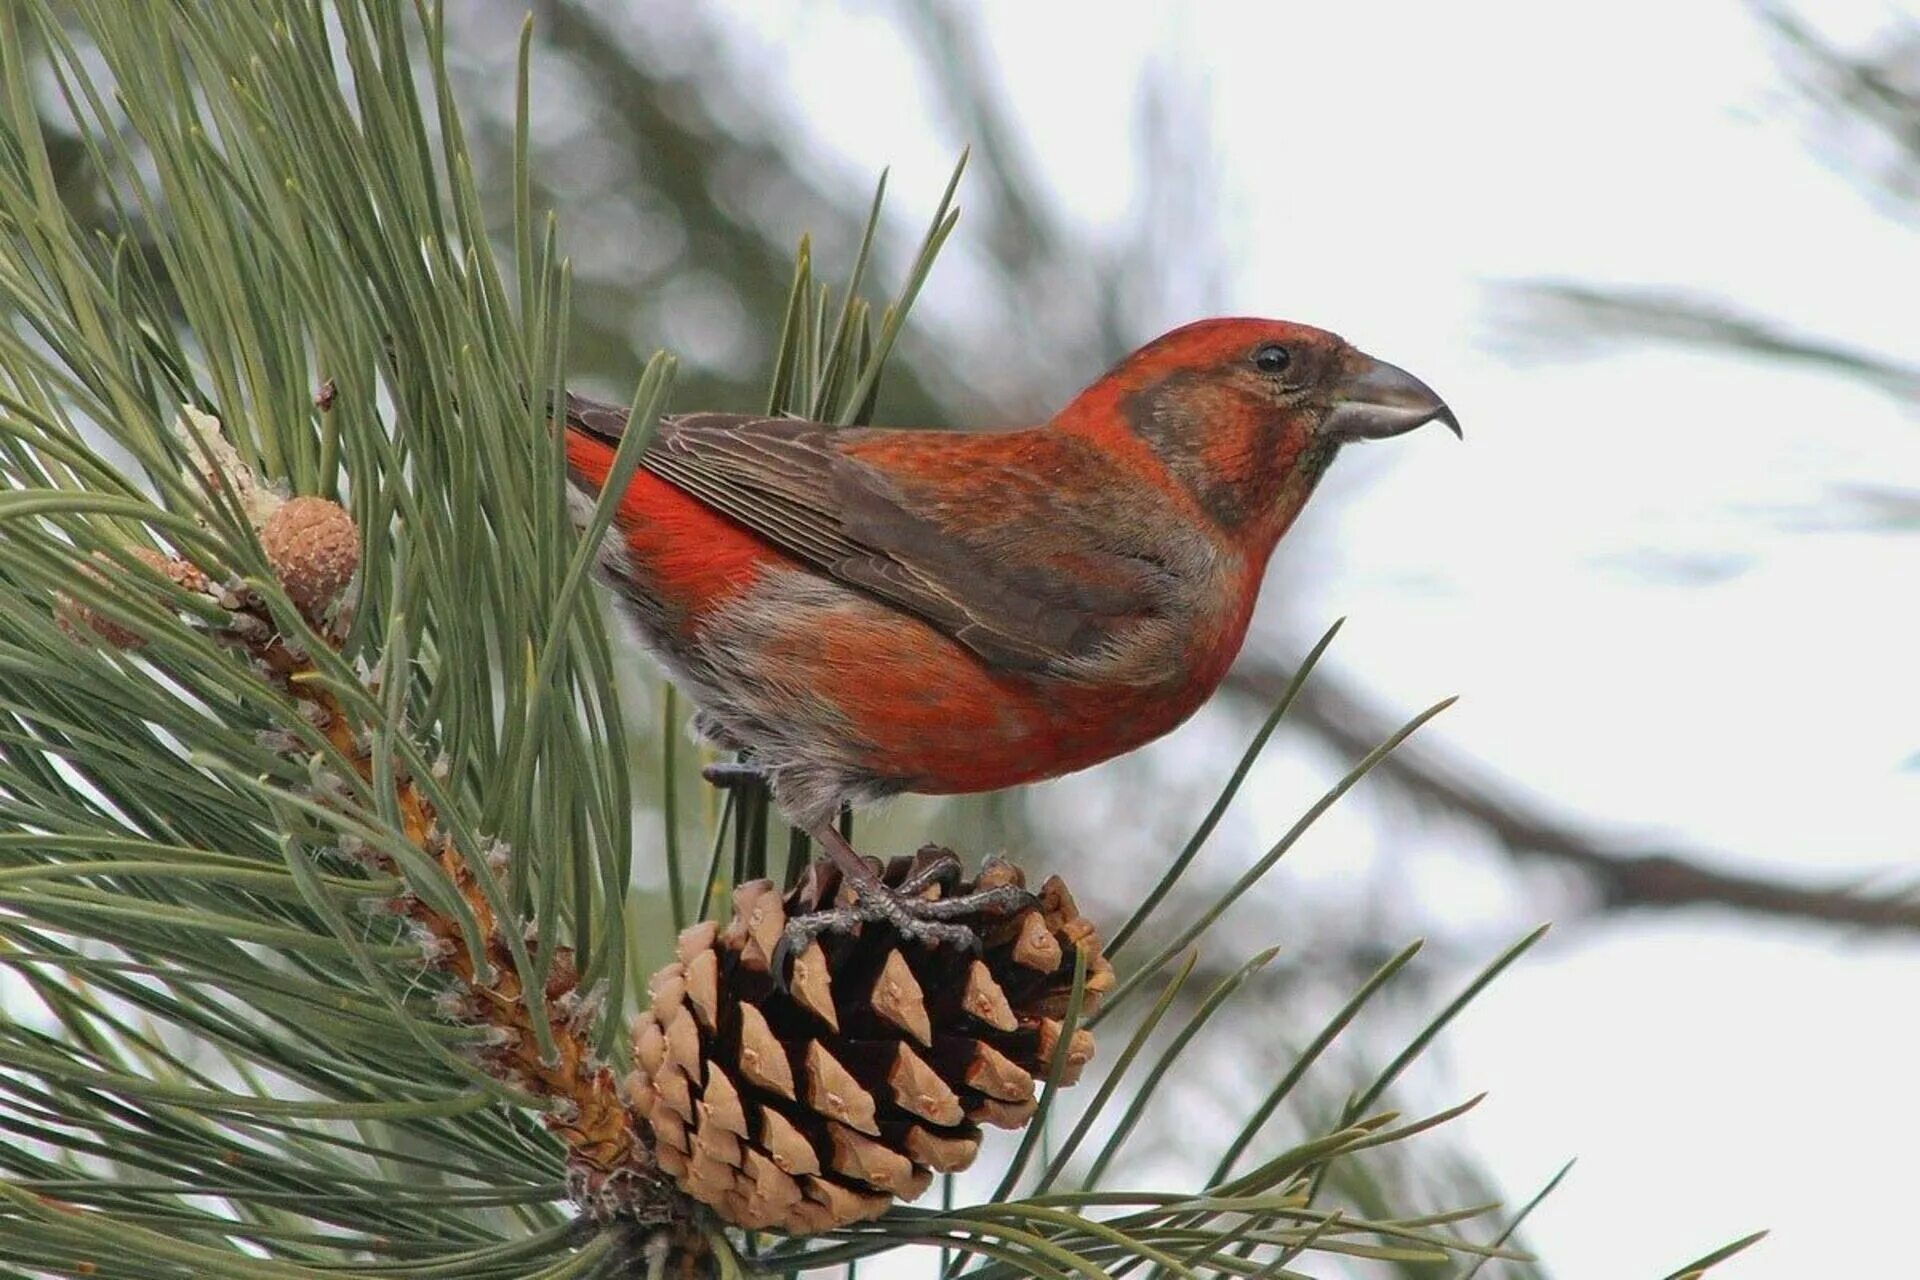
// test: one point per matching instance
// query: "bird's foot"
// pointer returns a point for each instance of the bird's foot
(936, 868)
(877, 904)
(908, 910)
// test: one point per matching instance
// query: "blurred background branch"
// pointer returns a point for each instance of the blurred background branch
(1860, 110)
(1611, 870)
(1571, 316)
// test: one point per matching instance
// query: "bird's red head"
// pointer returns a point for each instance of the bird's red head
(1245, 414)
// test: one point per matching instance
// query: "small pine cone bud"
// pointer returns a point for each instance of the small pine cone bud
(75, 617)
(562, 975)
(314, 549)
(806, 1105)
(181, 573)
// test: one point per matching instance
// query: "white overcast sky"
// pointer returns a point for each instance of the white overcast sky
(1384, 164)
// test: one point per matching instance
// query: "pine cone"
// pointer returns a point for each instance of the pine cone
(314, 549)
(813, 1106)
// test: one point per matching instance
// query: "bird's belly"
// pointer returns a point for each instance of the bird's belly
(810, 674)
(1047, 730)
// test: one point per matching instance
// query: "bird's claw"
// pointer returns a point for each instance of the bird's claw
(931, 923)
(936, 868)
(932, 867)
(1002, 901)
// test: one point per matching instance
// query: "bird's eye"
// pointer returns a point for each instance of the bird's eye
(1272, 358)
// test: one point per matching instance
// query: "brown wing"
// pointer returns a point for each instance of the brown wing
(1017, 577)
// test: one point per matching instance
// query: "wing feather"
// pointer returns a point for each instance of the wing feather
(795, 484)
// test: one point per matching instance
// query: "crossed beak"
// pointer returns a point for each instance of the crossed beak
(1378, 400)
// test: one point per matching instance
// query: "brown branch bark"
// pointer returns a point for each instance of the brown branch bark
(1621, 872)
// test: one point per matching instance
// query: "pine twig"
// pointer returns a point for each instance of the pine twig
(542, 1047)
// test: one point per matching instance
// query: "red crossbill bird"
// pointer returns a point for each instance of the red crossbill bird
(871, 611)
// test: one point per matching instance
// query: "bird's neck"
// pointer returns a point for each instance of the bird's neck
(1248, 470)
(1285, 495)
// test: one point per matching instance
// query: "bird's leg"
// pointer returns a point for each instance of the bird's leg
(729, 775)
